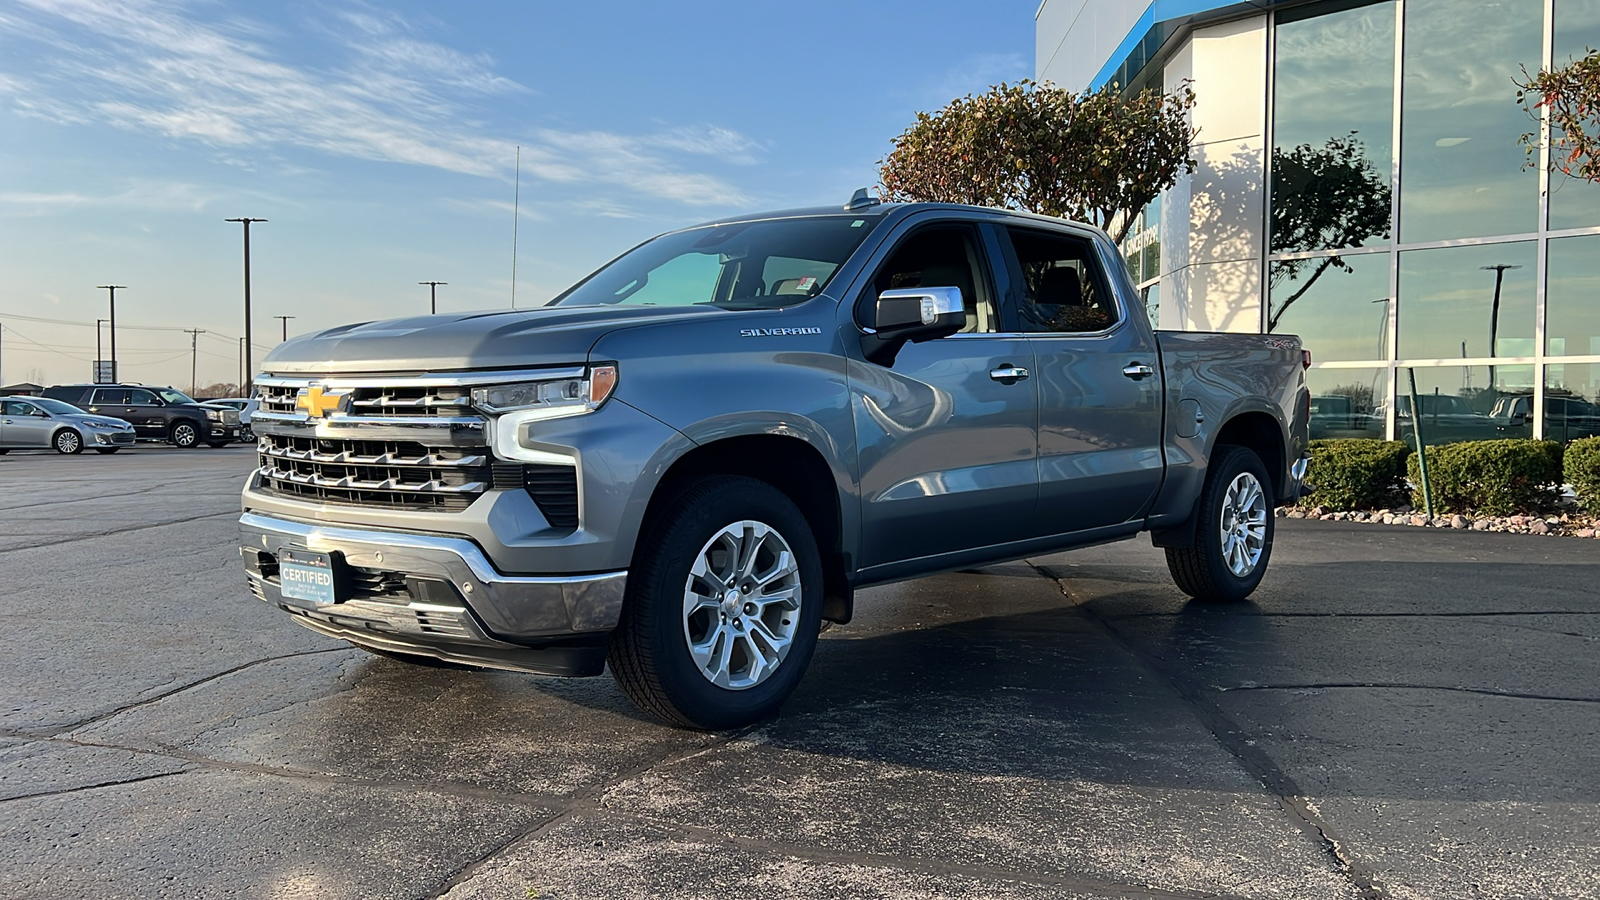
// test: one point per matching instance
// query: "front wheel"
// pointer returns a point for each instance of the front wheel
(1233, 536)
(185, 435)
(723, 606)
(68, 441)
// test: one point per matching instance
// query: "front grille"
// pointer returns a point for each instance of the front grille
(422, 400)
(390, 474)
(554, 490)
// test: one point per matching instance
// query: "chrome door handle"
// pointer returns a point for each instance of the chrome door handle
(1137, 371)
(1008, 374)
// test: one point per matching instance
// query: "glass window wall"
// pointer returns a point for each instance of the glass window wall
(1455, 300)
(1462, 171)
(1571, 404)
(1347, 403)
(1339, 306)
(1333, 121)
(1574, 203)
(1456, 403)
(1572, 296)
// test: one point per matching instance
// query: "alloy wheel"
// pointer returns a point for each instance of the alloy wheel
(1244, 524)
(741, 605)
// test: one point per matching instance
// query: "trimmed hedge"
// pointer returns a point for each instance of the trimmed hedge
(1581, 465)
(1357, 474)
(1496, 478)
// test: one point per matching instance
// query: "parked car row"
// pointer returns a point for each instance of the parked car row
(108, 417)
(1447, 418)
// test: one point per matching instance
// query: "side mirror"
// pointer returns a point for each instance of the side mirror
(915, 315)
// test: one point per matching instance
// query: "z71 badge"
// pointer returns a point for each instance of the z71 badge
(776, 332)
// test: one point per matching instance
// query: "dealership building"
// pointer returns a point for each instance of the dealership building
(1359, 181)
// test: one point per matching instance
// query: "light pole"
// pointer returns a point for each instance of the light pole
(97, 355)
(285, 321)
(433, 297)
(1494, 314)
(113, 288)
(244, 220)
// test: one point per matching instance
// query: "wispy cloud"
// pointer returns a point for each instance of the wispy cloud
(148, 65)
(140, 194)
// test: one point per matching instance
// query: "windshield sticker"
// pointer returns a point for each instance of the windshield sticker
(858, 223)
(776, 332)
(806, 283)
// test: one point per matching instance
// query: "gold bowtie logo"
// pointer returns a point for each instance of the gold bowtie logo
(318, 403)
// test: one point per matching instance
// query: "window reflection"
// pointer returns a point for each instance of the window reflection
(1347, 403)
(1571, 404)
(1453, 299)
(1340, 306)
(1457, 402)
(1574, 203)
(1462, 171)
(1572, 296)
(1333, 113)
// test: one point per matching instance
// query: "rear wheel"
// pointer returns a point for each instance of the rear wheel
(68, 441)
(723, 606)
(184, 434)
(1233, 535)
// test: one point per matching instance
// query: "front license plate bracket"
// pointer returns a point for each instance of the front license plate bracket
(308, 575)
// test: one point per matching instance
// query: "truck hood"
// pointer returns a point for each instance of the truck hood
(504, 339)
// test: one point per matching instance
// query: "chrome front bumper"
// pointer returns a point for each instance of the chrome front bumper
(439, 596)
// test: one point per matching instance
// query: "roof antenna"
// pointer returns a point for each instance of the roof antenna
(516, 219)
(861, 200)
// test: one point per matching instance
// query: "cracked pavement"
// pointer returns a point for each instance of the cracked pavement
(1398, 713)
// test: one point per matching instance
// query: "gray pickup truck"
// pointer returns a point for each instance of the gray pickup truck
(689, 460)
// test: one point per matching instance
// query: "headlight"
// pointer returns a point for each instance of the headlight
(549, 399)
(214, 415)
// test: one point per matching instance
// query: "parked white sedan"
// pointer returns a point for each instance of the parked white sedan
(31, 423)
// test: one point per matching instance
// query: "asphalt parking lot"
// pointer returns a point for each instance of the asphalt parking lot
(1398, 713)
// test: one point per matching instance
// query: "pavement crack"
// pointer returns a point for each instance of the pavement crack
(1257, 762)
(1401, 686)
(116, 531)
(90, 787)
(810, 853)
(585, 800)
(92, 720)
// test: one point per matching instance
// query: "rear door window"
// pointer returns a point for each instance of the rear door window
(1063, 288)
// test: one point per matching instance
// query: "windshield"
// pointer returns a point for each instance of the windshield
(56, 406)
(172, 396)
(743, 265)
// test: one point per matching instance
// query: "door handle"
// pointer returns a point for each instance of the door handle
(1137, 371)
(1008, 374)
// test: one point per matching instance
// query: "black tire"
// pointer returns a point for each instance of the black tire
(649, 653)
(107, 450)
(67, 441)
(4, 451)
(184, 434)
(1202, 570)
(246, 435)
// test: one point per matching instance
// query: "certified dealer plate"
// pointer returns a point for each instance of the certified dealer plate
(304, 575)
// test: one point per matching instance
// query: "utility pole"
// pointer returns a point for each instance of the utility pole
(433, 297)
(244, 382)
(285, 320)
(97, 347)
(113, 288)
(1494, 312)
(241, 367)
(194, 354)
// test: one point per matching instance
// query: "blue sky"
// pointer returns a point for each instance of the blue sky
(380, 140)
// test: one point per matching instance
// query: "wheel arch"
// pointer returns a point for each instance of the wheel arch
(1261, 434)
(797, 469)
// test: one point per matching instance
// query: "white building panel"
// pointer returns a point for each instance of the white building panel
(1074, 38)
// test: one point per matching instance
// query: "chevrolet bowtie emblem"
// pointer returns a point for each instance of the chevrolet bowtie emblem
(318, 403)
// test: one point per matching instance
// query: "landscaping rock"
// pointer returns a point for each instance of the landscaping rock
(1419, 520)
(1459, 522)
(1586, 532)
(1539, 527)
(1481, 525)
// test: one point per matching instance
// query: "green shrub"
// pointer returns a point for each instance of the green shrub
(1496, 478)
(1356, 473)
(1581, 465)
